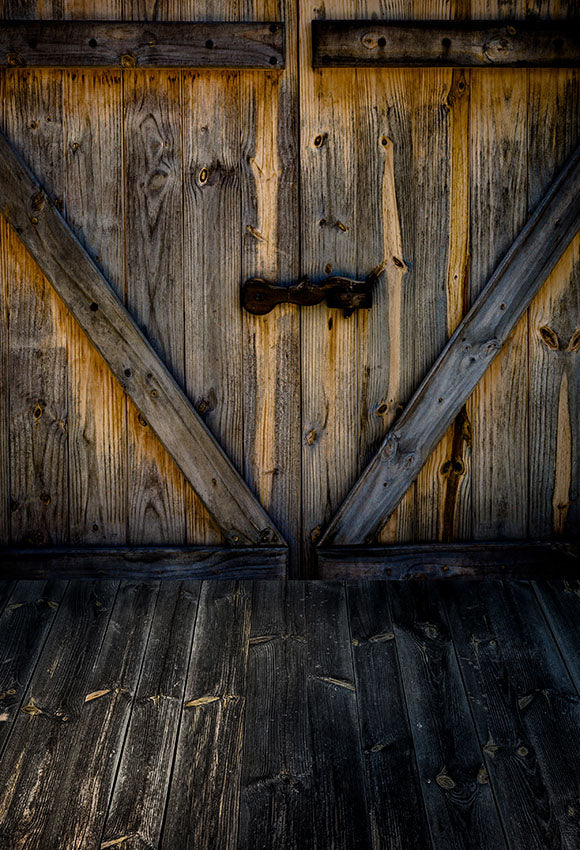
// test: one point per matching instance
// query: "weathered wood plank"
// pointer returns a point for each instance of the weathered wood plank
(269, 121)
(6, 588)
(458, 800)
(418, 44)
(560, 601)
(86, 759)
(526, 710)
(277, 778)
(154, 216)
(7, 238)
(452, 379)
(212, 243)
(554, 325)
(46, 727)
(521, 560)
(133, 361)
(140, 44)
(328, 238)
(498, 210)
(144, 562)
(135, 814)
(202, 809)
(24, 625)
(37, 374)
(338, 799)
(93, 208)
(395, 803)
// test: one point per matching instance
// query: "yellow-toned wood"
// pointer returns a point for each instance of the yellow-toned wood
(554, 322)
(93, 207)
(329, 229)
(32, 120)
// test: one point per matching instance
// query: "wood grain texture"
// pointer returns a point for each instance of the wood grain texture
(58, 689)
(212, 274)
(397, 820)
(475, 344)
(135, 813)
(202, 809)
(385, 215)
(447, 44)
(460, 805)
(115, 335)
(32, 119)
(7, 239)
(560, 601)
(328, 228)
(155, 44)
(515, 560)
(145, 562)
(155, 287)
(554, 329)
(24, 625)
(340, 818)
(525, 708)
(93, 208)
(277, 779)
(270, 120)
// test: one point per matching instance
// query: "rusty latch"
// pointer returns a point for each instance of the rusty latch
(259, 296)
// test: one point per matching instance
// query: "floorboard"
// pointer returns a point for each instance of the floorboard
(262, 715)
(526, 711)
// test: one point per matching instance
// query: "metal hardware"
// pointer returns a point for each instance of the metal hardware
(259, 296)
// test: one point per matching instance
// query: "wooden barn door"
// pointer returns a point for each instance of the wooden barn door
(181, 184)
(431, 174)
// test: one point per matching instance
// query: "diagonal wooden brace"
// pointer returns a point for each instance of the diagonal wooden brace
(468, 354)
(134, 363)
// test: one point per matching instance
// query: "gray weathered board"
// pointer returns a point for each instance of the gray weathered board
(151, 44)
(419, 44)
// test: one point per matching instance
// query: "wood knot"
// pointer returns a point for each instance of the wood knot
(37, 201)
(549, 337)
(320, 140)
(14, 60)
(574, 342)
(128, 60)
(315, 533)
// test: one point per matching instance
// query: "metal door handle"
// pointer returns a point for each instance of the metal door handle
(259, 296)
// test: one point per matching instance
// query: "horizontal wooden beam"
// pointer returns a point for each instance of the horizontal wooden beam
(142, 44)
(517, 560)
(469, 353)
(144, 563)
(414, 44)
(132, 360)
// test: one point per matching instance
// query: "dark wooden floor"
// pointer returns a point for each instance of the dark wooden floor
(301, 715)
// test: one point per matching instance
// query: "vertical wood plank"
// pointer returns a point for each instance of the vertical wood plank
(57, 690)
(525, 707)
(24, 625)
(499, 204)
(277, 761)
(32, 120)
(154, 210)
(460, 807)
(395, 804)
(328, 230)
(7, 240)
(135, 814)
(338, 800)
(270, 249)
(93, 208)
(212, 249)
(554, 341)
(202, 809)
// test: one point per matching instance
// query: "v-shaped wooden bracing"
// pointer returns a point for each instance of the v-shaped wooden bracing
(141, 373)
(468, 354)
